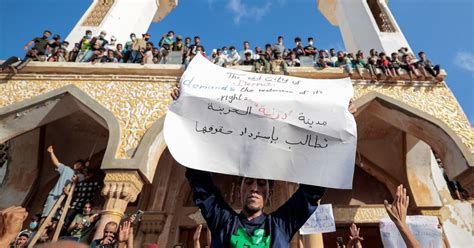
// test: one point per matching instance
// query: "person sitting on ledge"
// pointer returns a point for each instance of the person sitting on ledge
(425, 66)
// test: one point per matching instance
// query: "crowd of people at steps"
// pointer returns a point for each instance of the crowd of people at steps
(121, 235)
(83, 183)
(272, 58)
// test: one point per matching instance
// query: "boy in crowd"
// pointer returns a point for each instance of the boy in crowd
(166, 44)
(299, 49)
(246, 49)
(310, 50)
(148, 54)
(426, 66)
(83, 223)
(138, 48)
(40, 44)
(248, 59)
(84, 45)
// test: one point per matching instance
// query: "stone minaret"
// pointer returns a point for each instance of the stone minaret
(120, 18)
(364, 24)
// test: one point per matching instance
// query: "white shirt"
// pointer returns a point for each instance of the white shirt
(149, 57)
(233, 57)
(242, 53)
(111, 47)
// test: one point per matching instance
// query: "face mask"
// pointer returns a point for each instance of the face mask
(33, 225)
(310, 43)
(147, 39)
(101, 36)
(88, 36)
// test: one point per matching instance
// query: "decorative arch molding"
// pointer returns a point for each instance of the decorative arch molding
(149, 150)
(24, 116)
(458, 159)
(380, 174)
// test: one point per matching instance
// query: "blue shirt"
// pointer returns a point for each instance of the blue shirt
(234, 230)
(65, 177)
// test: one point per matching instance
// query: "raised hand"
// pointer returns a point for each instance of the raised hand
(124, 232)
(11, 221)
(93, 218)
(79, 225)
(397, 211)
(355, 238)
(175, 92)
(50, 149)
(107, 240)
(197, 235)
(132, 218)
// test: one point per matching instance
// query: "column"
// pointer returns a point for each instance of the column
(313, 240)
(120, 188)
(152, 225)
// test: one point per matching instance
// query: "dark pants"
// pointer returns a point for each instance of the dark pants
(10, 61)
(135, 57)
(433, 71)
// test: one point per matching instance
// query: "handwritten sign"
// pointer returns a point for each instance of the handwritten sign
(426, 230)
(322, 221)
(263, 126)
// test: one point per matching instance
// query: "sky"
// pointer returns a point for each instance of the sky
(444, 29)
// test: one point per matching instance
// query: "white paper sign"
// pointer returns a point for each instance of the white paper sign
(322, 221)
(263, 126)
(426, 230)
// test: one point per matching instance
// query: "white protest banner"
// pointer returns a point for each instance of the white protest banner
(426, 230)
(322, 221)
(263, 126)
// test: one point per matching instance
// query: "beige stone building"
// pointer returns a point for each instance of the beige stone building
(113, 114)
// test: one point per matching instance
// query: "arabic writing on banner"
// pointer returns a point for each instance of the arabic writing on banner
(322, 221)
(426, 230)
(263, 126)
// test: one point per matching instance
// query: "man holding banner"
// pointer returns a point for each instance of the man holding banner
(263, 128)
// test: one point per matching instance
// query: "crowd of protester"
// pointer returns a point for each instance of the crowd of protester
(80, 219)
(254, 193)
(269, 59)
(78, 230)
(120, 235)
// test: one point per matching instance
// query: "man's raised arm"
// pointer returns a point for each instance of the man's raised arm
(295, 212)
(208, 198)
(53, 157)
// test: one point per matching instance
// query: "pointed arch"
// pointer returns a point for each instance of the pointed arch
(24, 116)
(442, 139)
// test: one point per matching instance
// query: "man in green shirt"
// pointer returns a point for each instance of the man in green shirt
(82, 224)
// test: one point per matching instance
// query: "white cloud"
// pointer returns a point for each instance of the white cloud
(465, 60)
(241, 10)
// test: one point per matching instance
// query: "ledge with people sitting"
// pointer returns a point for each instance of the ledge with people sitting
(154, 72)
(142, 53)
